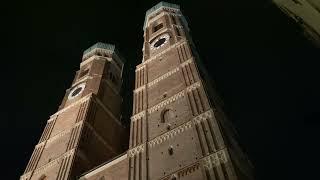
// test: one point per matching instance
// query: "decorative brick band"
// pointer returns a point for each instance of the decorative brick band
(139, 149)
(174, 97)
(50, 164)
(140, 66)
(193, 86)
(166, 136)
(186, 62)
(160, 139)
(138, 116)
(60, 134)
(184, 172)
(55, 161)
(55, 137)
(166, 75)
(167, 101)
(215, 159)
(203, 116)
(139, 88)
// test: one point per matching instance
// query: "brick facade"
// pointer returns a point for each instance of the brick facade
(177, 130)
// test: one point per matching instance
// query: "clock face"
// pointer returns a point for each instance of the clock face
(76, 91)
(160, 41)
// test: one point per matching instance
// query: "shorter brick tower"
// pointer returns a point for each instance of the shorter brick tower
(86, 130)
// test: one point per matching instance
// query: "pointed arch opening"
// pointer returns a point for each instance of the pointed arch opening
(167, 115)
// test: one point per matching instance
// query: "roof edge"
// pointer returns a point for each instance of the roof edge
(158, 6)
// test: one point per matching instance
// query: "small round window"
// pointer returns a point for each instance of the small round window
(160, 42)
(76, 91)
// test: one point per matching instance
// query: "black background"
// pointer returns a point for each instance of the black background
(264, 69)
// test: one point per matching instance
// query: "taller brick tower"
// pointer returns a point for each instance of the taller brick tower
(86, 131)
(178, 130)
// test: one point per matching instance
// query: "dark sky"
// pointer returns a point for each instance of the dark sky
(264, 69)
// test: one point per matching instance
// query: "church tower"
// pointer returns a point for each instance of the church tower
(86, 130)
(178, 130)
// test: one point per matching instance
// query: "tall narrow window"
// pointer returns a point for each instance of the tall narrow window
(83, 73)
(157, 27)
(177, 31)
(173, 19)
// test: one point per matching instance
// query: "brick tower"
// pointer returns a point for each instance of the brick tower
(81, 134)
(178, 130)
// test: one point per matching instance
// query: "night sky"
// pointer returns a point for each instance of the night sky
(264, 69)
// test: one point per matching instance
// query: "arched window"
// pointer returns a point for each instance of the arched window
(166, 115)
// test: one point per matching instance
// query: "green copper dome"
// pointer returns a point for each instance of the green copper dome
(100, 45)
